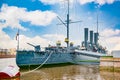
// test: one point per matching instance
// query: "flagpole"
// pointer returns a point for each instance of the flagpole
(18, 40)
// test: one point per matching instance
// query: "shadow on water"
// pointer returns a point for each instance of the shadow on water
(70, 72)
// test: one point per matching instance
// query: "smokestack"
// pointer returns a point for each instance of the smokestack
(85, 36)
(96, 38)
(91, 37)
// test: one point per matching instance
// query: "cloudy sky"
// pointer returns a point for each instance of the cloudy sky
(37, 22)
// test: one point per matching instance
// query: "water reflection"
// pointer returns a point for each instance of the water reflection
(71, 72)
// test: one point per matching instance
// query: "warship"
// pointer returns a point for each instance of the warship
(89, 51)
(51, 54)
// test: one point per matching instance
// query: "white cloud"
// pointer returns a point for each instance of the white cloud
(44, 41)
(7, 42)
(111, 38)
(111, 42)
(13, 15)
(59, 37)
(117, 46)
(110, 32)
(100, 2)
(54, 38)
(85, 1)
(54, 1)
(50, 1)
(37, 40)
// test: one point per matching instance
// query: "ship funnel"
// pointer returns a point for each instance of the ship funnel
(91, 37)
(85, 36)
(96, 38)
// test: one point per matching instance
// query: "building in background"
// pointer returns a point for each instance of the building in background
(7, 53)
(116, 53)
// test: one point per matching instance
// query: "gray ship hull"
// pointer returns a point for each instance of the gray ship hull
(87, 57)
(28, 58)
(25, 58)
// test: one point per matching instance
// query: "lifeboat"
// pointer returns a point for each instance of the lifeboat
(10, 72)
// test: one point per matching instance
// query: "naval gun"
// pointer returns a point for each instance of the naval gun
(36, 48)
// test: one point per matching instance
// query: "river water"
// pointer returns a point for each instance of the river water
(69, 72)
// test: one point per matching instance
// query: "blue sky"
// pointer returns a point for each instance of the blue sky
(109, 18)
(29, 4)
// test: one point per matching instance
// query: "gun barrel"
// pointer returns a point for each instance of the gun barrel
(30, 44)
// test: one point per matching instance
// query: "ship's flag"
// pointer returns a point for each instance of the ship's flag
(17, 35)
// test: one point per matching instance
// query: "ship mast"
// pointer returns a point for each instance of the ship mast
(97, 25)
(97, 21)
(68, 26)
(97, 16)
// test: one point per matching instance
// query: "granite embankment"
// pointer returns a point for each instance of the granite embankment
(110, 63)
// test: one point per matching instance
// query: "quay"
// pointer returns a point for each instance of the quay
(110, 63)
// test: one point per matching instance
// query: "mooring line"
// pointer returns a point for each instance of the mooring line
(38, 66)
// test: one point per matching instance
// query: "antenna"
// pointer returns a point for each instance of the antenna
(97, 25)
(68, 26)
(97, 21)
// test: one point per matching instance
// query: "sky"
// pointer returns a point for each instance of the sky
(38, 23)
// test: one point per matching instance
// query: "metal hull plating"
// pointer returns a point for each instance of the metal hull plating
(83, 57)
(36, 58)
